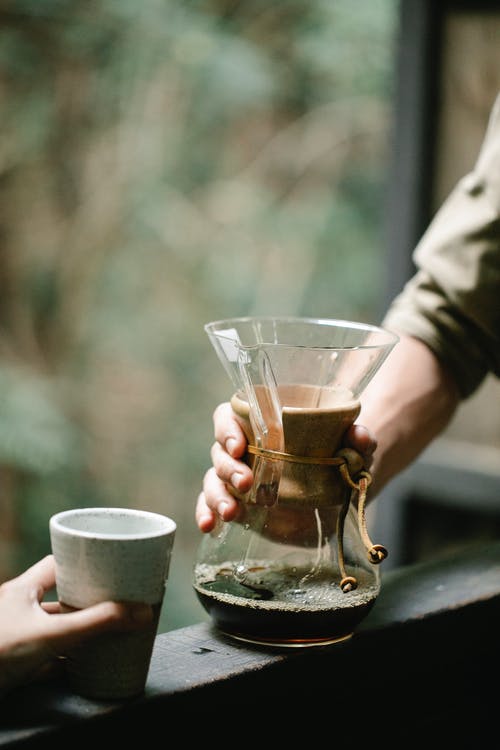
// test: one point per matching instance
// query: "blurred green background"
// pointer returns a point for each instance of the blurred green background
(164, 164)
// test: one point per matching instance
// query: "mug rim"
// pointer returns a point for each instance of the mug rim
(166, 526)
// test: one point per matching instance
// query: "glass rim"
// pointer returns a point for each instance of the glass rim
(216, 327)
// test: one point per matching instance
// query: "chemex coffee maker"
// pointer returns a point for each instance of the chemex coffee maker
(297, 567)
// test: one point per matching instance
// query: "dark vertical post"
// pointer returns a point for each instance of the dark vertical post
(412, 148)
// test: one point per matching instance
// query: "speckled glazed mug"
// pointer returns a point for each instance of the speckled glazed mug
(118, 554)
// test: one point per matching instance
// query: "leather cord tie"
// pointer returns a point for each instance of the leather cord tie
(376, 552)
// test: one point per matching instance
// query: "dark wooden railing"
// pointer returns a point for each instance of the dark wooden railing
(422, 666)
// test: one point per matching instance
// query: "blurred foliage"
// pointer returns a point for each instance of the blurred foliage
(164, 164)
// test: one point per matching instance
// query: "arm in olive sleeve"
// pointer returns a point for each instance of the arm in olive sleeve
(452, 303)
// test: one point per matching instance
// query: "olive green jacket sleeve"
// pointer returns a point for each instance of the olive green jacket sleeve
(452, 303)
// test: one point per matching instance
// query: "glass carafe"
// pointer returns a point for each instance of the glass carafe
(297, 567)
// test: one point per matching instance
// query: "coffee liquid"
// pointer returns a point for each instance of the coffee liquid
(279, 606)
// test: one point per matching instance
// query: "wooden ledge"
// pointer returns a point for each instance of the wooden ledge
(426, 654)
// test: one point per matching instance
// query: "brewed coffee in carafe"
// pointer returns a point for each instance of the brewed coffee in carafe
(297, 567)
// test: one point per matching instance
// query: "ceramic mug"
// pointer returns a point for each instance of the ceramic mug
(117, 554)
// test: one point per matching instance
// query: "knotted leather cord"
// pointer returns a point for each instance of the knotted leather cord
(376, 552)
(292, 458)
